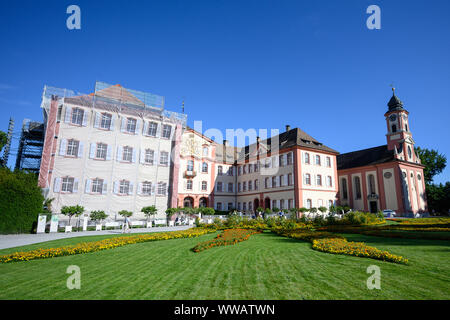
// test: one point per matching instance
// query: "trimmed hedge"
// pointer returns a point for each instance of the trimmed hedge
(21, 201)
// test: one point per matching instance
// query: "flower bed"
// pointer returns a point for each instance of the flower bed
(357, 249)
(333, 243)
(227, 237)
(105, 244)
(423, 221)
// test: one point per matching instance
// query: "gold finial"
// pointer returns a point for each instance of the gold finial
(393, 88)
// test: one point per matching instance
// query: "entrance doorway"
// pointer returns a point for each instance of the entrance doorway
(188, 202)
(373, 206)
(267, 203)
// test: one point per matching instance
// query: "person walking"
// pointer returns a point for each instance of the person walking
(127, 225)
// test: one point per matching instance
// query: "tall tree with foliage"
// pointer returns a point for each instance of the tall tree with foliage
(438, 197)
(433, 161)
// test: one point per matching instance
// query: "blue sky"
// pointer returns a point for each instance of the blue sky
(242, 64)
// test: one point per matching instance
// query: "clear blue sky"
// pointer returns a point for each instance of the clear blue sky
(242, 64)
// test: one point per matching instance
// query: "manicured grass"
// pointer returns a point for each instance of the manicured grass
(266, 266)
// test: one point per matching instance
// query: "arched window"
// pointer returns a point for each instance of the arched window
(371, 184)
(307, 157)
(204, 167)
(317, 160)
(394, 128)
(344, 188)
(409, 152)
(205, 151)
(357, 183)
(256, 184)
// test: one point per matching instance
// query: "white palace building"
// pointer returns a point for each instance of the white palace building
(120, 149)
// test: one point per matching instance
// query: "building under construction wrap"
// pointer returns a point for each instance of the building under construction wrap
(30, 146)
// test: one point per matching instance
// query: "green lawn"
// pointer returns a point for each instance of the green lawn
(266, 266)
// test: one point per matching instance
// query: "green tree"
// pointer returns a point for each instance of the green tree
(433, 161)
(71, 211)
(3, 139)
(323, 209)
(149, 211)
(98, 215)
(125, 213)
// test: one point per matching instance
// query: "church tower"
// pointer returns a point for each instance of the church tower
(399, 137)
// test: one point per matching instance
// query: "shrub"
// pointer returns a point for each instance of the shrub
(21, 201)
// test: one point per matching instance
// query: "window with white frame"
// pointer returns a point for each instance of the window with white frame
(244, 206)
(164, 158)
(67, 184)
(250, 185)
(204, 185)
(328, 162)
(317, 159)
(274, 204)
(244, 169)
(152, 128)
(101, 151)
(230, 186)
(127, 154)
(282, 204)
(204, 167)
(77, 116)
(282, 160)
(244, 186)
(250, 167)
(239, 187)
(72, 148)
(308, 204)
(256, 184)
(219, 186)
(307, 179)
(290, 203)
(289, 158)
(166, 131)
(105, 122)
(149, 156)
(290, 180)
(124, 187)
(162, 187)
(329, 181)
(219, 206)
(307, 158)
(266, 183)
(189, 184)
(250, 206)
(274, 182)
(239, 170)
(190, 165)
(97, 185)
(239, 206)
(131, 125)
(205, 151)
(319, 180)
(146, 188)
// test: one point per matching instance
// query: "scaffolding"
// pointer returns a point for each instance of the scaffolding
(31, 144)
(7, 147)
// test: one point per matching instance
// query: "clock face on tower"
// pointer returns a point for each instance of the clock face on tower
(392, 117)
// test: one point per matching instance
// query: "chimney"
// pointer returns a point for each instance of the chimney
(288, 128)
